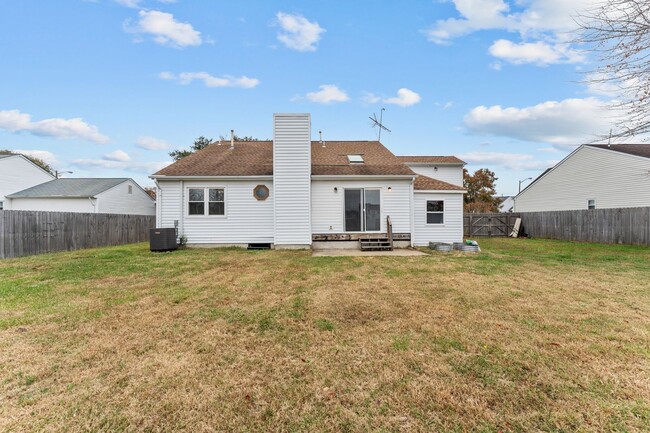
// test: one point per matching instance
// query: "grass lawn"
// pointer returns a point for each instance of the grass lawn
(530, 335)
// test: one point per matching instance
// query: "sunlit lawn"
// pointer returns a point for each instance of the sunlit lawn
(529, 335)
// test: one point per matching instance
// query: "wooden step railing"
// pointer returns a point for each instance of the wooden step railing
(389, 231)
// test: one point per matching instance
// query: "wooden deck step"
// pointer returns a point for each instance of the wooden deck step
(375, 244)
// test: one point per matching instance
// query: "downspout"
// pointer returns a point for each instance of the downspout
(412, 213)
(181, 217)
(94, 205)
(158, 203)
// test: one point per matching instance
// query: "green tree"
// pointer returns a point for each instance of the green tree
(38, 161)
(481, 191)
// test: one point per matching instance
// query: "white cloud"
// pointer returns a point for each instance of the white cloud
(129, 3)
(75, 128)
(45, 155)
(495, 66)
(298, 33)
(133, 166)
(165, 30)
(405, 98)
(327, 94)
(150, 143)
(531, 18)
(210, 80)
(539, 53)
(567, 122)
(118, 155)
(511, 161)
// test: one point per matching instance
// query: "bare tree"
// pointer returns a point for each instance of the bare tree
(618, 32)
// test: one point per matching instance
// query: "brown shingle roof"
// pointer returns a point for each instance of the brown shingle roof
(255, 158)
(331, 159)
(428, 184)
(249, 158)
(632, 149)
(431, 159)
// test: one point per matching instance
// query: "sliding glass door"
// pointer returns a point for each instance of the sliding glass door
(362, 210)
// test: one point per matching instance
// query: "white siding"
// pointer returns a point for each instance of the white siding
(54, 204)
(292, 179)
(118, 200)
(16, 174)
(168, 196)
(452, 174)
(450, 231)
(247, 220)
(328, 207)
(613, 179)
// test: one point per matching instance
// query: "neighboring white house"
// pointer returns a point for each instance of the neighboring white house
(17, 173)
(506, 203)
(296, 193)
(88, 195)
(592, 177)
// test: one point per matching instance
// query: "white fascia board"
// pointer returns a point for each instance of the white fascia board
(163, 177)
(362, 177)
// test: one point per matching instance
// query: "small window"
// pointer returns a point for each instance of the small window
(196, 201)
(435, 212)
(2, 205)
(206, 201)
(216, 204)
(591, 203)
(130, 189)
(355, 159)
(261, 192)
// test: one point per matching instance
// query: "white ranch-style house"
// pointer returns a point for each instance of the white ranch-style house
(595, 176)
(293, 192)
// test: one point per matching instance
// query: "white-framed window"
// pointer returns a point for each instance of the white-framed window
(591, 203)
(435, 211)
(206, 201)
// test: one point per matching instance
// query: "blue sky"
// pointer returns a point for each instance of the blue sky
(108, 87)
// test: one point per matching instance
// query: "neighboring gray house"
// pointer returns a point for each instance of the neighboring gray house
(88, 195)
(592, 177)
(17, 173)
(294, 192)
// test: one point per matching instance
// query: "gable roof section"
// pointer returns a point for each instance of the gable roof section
(69, 188)
(425, 183)
(255, 158)
(431, 160)
(631, 149)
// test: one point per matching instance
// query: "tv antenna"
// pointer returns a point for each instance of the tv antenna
(379, 123)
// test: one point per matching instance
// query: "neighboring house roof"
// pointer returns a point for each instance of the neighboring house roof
(503, 198)
(425, 183)
(255, 158)
(631, 149)
(431, 159)
(69, 188)
(6, 156)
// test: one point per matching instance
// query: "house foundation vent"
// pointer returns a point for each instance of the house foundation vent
(259, 246)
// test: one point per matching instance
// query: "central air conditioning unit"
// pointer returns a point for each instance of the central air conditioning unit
(162, 239)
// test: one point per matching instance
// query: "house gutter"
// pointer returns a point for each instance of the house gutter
(362, 177)
(163, 177)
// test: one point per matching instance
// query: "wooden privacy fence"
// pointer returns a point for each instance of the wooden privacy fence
(609, 226)
(24, 233)
(488, 224)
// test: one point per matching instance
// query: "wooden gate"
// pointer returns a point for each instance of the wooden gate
(489, 224)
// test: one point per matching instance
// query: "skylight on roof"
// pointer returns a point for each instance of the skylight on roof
(355, 159)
